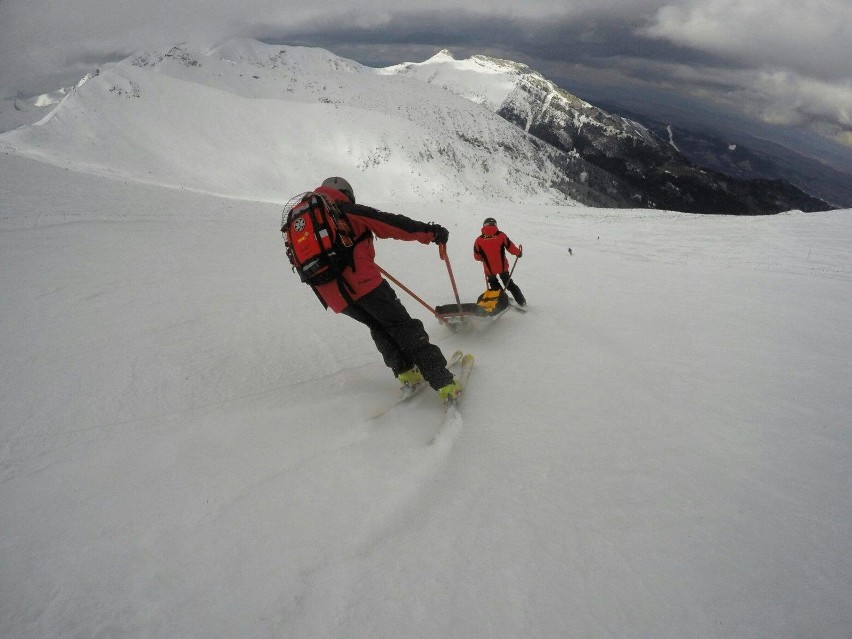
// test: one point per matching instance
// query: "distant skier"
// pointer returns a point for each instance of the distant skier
(361, 293)
(490, 249)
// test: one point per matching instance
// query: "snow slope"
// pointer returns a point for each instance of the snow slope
(504, 85)
(659, 448)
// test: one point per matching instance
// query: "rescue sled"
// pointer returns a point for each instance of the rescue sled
(490, 305)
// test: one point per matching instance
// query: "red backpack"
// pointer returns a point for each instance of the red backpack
(317, 237)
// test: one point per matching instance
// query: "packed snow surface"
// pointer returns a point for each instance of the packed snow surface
(659, 448)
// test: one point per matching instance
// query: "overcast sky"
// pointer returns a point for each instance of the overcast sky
(779, 61)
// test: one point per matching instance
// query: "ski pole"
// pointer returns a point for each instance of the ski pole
(508, 279)
(410, 292)
(442, 251)
(514, 264)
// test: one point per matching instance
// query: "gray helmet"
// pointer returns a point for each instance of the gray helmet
(341, 185)
(489, 221)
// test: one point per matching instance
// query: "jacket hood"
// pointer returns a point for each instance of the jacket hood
(334, 194)
(490, 229)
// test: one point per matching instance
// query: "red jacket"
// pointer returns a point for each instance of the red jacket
(365, 223)
(490, 249)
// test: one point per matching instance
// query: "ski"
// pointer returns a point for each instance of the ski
(407, 393)
(466, 367)
(452, 421)
(517, 307)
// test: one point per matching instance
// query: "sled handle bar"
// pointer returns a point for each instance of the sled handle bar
(442, 251)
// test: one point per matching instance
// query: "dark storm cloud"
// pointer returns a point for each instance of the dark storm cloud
(629, 50)
(778, 61)
(560, 39)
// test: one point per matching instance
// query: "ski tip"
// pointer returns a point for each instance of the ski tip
(455, 358)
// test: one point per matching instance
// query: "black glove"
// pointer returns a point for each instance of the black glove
(442, 235)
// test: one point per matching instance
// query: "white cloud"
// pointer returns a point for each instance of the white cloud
(772, 96)
(794, 101)
(39, 41)
(786, 63)
(813, 37)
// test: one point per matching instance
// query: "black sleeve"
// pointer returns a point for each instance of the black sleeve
(394, 219)
(389, 225)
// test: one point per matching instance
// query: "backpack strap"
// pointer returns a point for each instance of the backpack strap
(344, 228)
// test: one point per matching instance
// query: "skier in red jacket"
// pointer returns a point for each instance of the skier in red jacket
(364, 295)
(490, 249)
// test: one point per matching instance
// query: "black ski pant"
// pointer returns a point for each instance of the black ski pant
(401, 339)
(510, 285)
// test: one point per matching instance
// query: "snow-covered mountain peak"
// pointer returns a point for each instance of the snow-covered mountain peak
(492, 82)
(258, 121)
(479, 79)
(245, 56)
(442, 55)
(484, 79)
